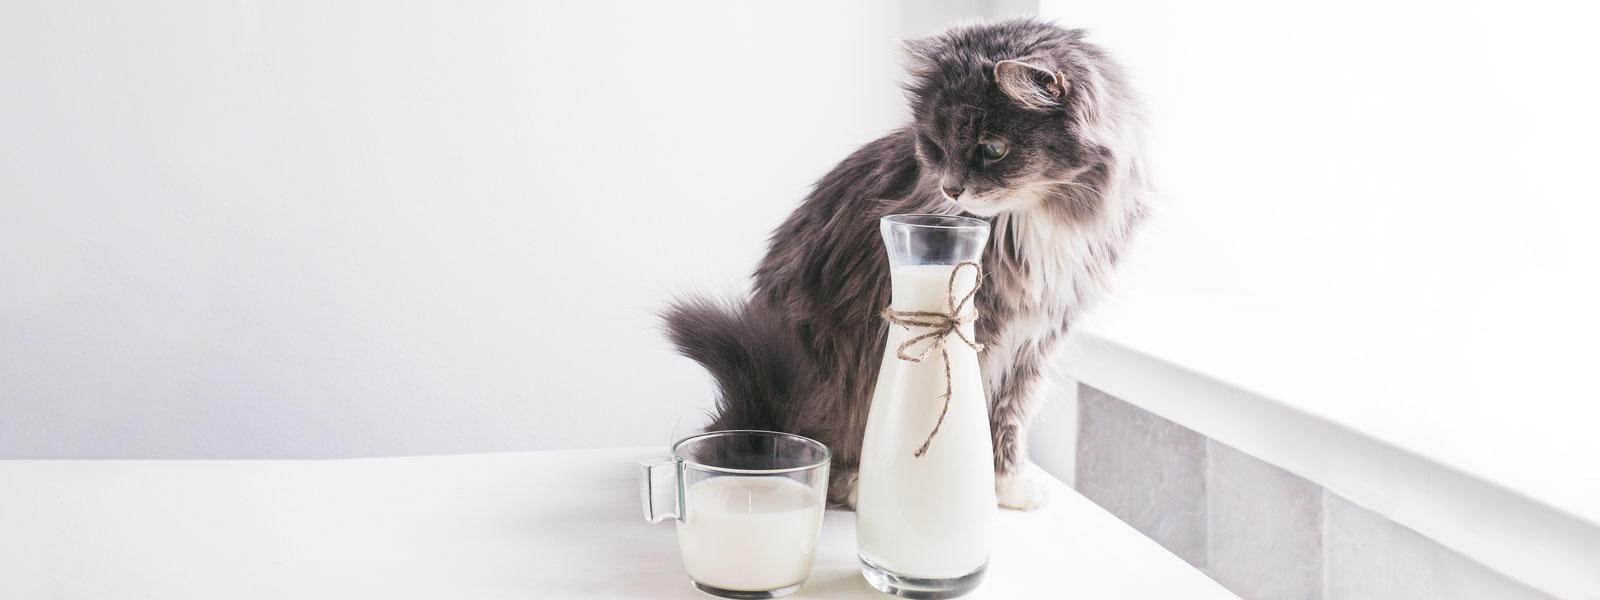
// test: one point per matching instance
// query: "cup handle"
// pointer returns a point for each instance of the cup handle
(655, 509)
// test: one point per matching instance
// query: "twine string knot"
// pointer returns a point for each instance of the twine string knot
(938, 326)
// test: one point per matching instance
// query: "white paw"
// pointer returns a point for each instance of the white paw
(1022, 491)
(847, 499)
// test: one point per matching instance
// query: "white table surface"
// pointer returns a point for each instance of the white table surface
(561, 524)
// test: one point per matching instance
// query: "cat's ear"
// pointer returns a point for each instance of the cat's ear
(1035, 87)
(919, 53)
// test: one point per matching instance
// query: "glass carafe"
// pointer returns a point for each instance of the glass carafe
(925, 499)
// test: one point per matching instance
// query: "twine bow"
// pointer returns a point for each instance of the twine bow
(939, 326)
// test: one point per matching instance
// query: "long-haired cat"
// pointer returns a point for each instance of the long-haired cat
(1019, 122)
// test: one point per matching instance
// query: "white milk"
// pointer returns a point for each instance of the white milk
(749, 533)
(928, 517)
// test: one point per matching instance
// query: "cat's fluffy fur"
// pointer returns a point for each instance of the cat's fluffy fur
(803, 353)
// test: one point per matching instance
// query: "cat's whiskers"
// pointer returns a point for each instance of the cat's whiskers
(1073, 199)
(1070, 183)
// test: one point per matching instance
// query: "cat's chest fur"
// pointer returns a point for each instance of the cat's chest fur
(1040, 273)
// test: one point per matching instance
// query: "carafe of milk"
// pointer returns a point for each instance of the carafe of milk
(925, 500)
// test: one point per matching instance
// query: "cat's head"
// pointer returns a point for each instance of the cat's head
(1004, 115)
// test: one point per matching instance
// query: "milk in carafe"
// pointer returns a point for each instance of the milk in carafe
(929, 516)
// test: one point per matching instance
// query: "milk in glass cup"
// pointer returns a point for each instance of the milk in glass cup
(748, 505)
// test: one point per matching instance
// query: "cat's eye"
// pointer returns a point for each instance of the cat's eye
(932, 151)
(994, 150)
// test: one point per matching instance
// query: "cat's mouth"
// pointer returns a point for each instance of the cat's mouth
(983, 206)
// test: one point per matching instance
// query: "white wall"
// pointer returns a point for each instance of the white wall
(1384, 157)
(1402, 191)
(310, 229)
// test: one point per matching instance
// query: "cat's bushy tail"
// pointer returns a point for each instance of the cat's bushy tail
(752, 354)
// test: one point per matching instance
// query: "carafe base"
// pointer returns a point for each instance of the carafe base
(920, 588)
(743, 594)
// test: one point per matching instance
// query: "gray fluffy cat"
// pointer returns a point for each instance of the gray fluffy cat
(1021, 123)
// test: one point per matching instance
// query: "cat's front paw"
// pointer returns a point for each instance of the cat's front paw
(842, 490)
(1027, 490)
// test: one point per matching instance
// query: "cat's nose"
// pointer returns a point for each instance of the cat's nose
(953, 192)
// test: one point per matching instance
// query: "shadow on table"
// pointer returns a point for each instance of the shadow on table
(838, 585)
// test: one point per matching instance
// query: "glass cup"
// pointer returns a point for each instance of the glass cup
(748, 506)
